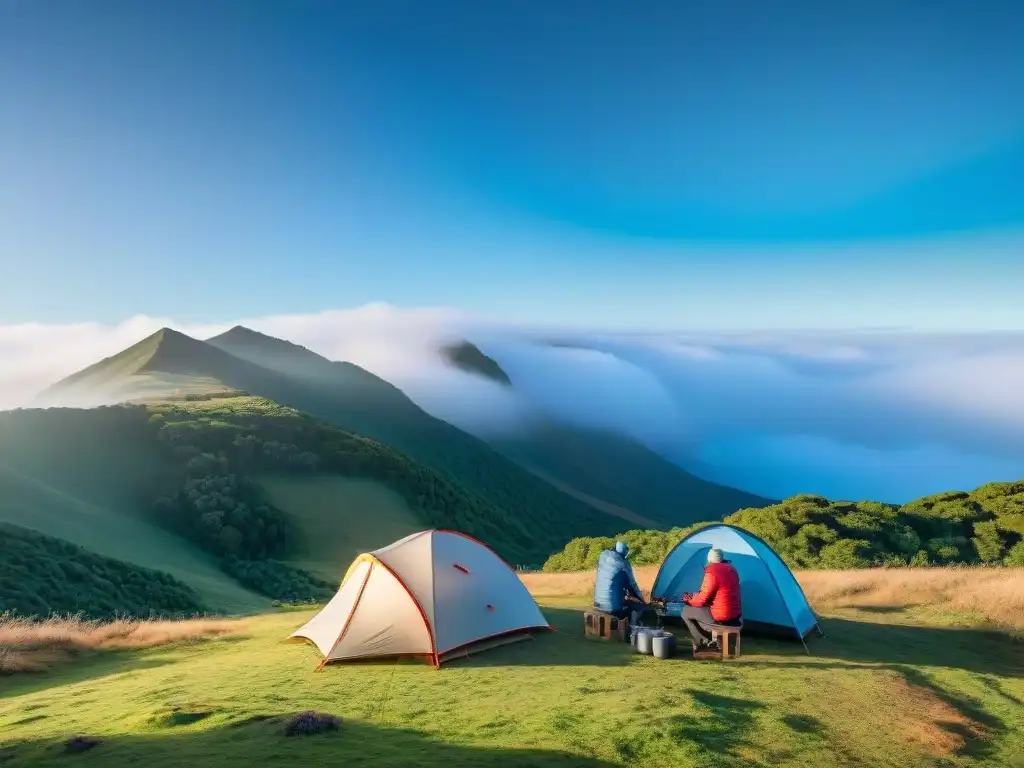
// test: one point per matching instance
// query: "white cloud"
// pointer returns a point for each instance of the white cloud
(33, 355)
(390, 341)
(870, 415)
(385, 339)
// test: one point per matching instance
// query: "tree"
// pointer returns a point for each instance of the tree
(987, 541)
(1016, 555)
(230, 539)
(844, 554)
(920, 559)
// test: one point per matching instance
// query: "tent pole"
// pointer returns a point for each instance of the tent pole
(805, 646)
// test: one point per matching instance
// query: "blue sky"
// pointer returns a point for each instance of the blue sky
(661, 164)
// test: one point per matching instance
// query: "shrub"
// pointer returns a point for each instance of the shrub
(308, 723)
(810, 532)
(987, 541)
(279, 581)
(1016, 555)
(41, 575)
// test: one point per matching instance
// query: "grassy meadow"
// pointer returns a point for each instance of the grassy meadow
(991, 598)
(914, 670)
(338, 518)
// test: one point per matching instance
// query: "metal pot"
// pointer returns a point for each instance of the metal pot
(643, 641)
(663, 646)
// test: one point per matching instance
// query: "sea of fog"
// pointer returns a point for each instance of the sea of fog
(881, 415)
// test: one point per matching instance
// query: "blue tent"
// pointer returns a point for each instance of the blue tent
(772, 599)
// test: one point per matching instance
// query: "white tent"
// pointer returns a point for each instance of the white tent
(437, 594)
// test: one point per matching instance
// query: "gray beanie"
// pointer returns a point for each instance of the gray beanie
(621, 548)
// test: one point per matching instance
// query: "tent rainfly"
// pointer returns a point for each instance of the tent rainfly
(773, 602)
(436, 594)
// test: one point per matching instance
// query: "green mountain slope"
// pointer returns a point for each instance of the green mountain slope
(41, 576)
(620, 471)
(119, 531)
(611, 472)
(87, 476)
(337, 518)
(355, 399)
(208, 470)
(229, 494)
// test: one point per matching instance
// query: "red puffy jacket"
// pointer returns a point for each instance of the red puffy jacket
(720, 591)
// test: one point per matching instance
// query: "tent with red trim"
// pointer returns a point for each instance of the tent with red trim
(436, 594)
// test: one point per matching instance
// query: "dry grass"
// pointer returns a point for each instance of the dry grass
(578, 583)
(993, 596)
(29, 645)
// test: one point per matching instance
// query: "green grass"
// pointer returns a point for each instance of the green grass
(338, 518)
(876, 692)
(119, 531)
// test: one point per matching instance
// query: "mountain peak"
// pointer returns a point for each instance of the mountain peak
(247, 336)
(241, 332)
(269, 351)
(175, 352)
(468, 357)
(169, 334)
(164, 351)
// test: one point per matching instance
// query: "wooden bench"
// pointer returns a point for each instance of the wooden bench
(599, 624)
(723, 633)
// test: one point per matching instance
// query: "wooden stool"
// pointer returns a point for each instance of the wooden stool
(723, 633)
(604, 625)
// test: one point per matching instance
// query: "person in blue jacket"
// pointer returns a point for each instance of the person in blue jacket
(615, 590)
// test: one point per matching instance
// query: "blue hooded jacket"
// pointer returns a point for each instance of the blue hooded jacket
(614, 581)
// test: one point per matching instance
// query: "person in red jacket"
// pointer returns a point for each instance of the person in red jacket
(718, 601)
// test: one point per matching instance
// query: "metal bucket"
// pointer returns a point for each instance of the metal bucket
(663, 646)
(644, 641)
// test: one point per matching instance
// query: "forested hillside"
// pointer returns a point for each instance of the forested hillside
(195, 467)
(41, 575)
(985, 525)
(221, 444)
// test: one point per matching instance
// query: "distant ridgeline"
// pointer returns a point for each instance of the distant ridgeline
(985, 525)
